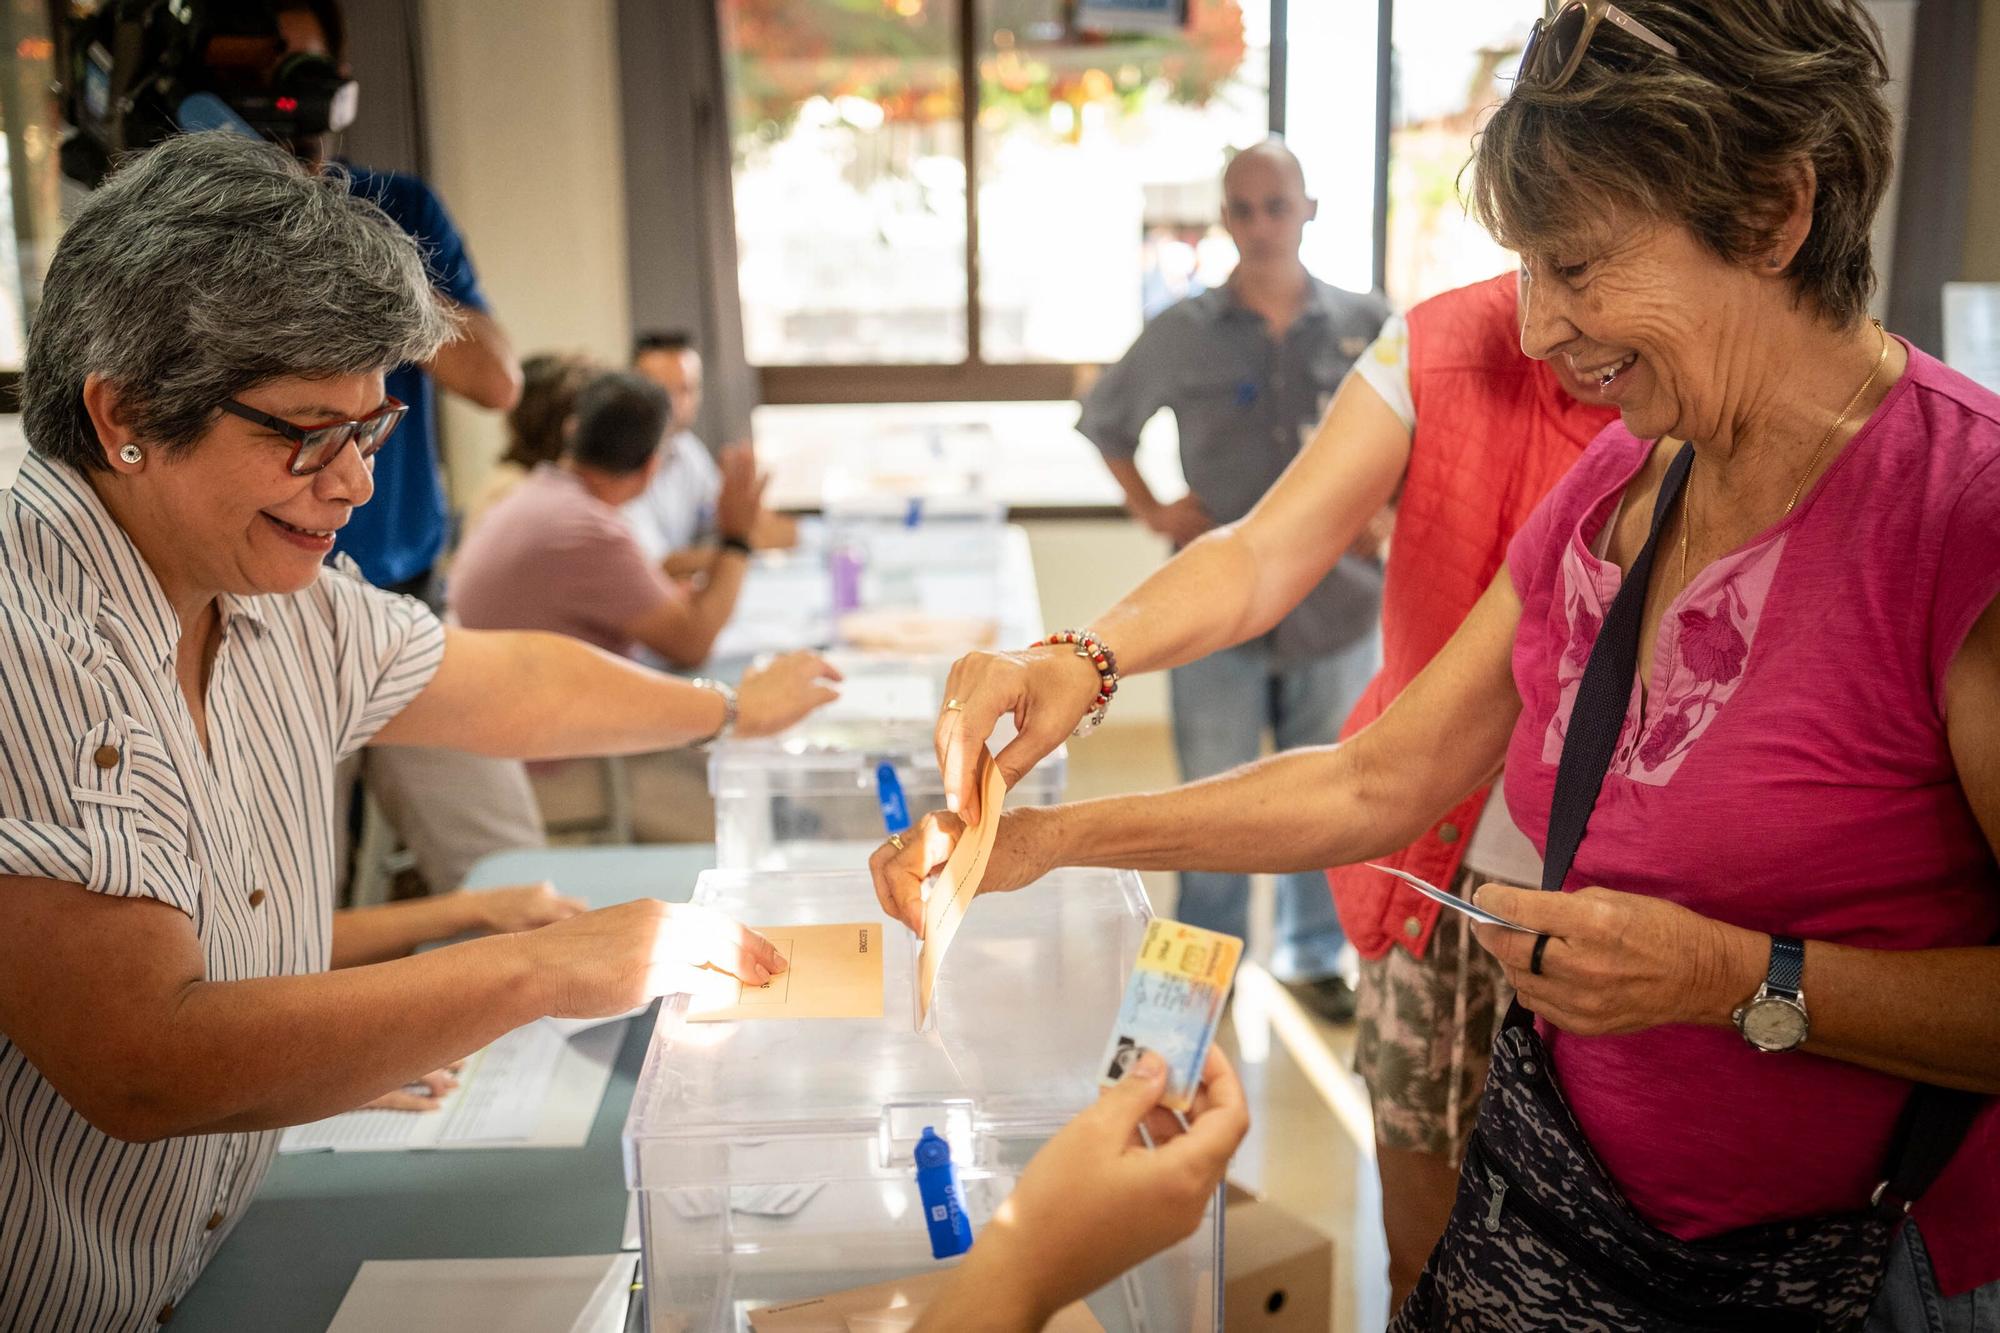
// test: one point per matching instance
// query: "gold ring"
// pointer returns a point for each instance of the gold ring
(953, 706)
(896, 841)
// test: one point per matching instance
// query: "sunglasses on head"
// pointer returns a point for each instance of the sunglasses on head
(315, 446)
(1560, 37)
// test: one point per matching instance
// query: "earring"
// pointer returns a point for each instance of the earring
(132, 453)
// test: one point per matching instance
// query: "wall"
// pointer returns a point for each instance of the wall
(1982, 237)
(522, 101)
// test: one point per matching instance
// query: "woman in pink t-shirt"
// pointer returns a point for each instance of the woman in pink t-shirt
(1781, 919)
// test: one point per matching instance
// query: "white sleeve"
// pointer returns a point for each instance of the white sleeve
(1386, 367)
(385, 650)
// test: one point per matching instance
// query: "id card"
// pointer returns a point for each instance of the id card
(1173, 1001)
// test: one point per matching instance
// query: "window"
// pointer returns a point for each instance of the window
(1453, 61)
(850, 179)
(1100, 165)
(893, 226)
(1335, 52)
(29, 178)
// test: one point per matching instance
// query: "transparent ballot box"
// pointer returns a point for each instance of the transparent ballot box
(773, 1160)
(807, 800)
(934, 587)
(939, 586)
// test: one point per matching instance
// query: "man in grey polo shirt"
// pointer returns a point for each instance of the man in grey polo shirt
(1247, 369)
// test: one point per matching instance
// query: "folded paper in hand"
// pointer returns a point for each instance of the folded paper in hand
(958, 884)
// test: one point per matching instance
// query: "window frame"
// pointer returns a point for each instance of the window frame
(974, 378)
(21, 25)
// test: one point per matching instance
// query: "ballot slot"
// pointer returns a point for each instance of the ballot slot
(806, 799)
(774, 1161)
(904, 1123)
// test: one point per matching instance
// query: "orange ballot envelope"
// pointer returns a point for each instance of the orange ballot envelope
(835, 972)
(957, 884)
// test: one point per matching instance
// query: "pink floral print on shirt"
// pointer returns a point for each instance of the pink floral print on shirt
(1699, 658)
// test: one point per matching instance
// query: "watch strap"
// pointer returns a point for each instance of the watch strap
(1787, 972)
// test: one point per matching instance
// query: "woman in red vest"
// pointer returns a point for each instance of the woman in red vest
(1446, 417)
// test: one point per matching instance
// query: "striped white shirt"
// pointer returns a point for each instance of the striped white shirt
(104, 783)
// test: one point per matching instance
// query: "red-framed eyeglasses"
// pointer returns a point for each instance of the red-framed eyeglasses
(315, 446)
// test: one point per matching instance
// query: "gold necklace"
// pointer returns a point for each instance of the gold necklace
(1687, 508)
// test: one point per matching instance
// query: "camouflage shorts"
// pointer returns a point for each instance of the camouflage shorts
(1424, 1030)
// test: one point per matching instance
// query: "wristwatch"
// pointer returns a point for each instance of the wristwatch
(1774, 1019)
(728, 693)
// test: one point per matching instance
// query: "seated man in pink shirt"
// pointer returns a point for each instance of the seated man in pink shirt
(557, 555)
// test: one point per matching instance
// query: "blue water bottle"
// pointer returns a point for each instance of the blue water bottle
(944, 1203)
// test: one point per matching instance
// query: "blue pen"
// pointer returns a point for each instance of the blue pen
(889, 791)
(944, 1202)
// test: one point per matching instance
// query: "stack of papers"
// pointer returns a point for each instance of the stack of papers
(533, 1088)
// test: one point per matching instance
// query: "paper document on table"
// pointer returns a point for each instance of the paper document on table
(957, 885)
(586, 1293)
(503, 1093)
(835, 972)
(1451, 900)
(1173, 1002)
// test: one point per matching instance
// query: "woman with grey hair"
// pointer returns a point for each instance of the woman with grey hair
(1743, 668)
(203, 394)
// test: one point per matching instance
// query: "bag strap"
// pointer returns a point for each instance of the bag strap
(1935, 1120)
(1934, 1123)
(1602, 698)
(1605, 693)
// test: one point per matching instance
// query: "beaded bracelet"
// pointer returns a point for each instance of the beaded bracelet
(1096, 652)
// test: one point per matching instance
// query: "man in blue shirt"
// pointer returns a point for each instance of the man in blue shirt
(1247, 369)
(450, 808)
(398, 536)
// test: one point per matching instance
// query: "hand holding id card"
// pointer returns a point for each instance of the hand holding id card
(1173, 1002)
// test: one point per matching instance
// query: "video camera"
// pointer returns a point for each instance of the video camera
(133, 72)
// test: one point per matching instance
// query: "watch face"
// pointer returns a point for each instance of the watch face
(1772, 1024)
